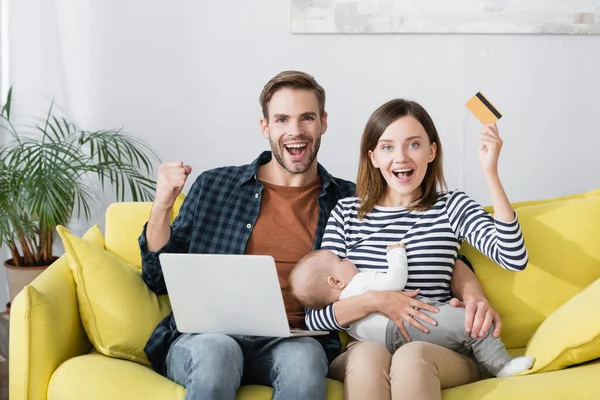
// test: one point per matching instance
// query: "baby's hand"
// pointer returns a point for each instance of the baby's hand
(395, 246)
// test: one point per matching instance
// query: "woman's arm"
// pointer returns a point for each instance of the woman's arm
(397, 306)
(469, 294)
(499, 240)
(489, 153)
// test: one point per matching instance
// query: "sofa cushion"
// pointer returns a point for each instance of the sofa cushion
(97, 377)
(564, 256)
(94, 236)
(45, 327)
(124, 223)
(570, 335)
(118, 311)
(573, 383)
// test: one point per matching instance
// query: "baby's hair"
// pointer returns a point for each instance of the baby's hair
(308, 281)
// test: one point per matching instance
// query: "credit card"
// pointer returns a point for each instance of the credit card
(481, 107)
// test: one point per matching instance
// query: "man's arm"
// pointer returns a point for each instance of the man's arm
(158, 236)
(468, 293)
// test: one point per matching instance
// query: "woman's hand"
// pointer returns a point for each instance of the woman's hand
(489, 149)
(402, 306)
(479, 316)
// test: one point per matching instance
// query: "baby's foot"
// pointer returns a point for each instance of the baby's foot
(518, 364)
(395, 246)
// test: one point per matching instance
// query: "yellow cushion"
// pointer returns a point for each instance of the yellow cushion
(577, 383)
(124, 223)
(571, 335)
(94, 236)
(96, 377)
(45, 328)
(564, 255)
(118, 311)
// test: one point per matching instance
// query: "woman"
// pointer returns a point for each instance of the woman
(400, 198)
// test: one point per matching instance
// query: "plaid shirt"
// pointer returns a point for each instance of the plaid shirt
(217, 217)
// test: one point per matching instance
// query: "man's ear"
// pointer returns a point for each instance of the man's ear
(432, 151)
(335, 283)
(323, 124)
(372, 158)
(264, 126)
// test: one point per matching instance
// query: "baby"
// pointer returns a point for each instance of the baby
(321, 278)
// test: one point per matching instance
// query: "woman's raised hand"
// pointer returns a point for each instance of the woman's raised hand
(489, 149)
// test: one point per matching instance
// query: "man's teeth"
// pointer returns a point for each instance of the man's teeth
(296, 146)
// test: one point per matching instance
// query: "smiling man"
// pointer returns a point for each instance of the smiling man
(277, 205)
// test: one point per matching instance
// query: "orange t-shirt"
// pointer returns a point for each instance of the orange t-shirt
(285, 229)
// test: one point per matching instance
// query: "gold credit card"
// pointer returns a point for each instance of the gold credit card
(483, 109)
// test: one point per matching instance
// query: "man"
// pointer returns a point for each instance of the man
(277, 205)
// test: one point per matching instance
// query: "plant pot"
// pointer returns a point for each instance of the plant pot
(19, 277)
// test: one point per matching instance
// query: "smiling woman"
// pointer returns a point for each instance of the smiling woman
(402, 198)
(400, 141)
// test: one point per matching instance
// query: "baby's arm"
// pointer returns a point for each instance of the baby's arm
(397, 274)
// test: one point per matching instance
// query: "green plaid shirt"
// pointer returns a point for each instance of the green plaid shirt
(217, 217)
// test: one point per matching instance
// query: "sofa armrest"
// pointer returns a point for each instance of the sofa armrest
(45, 331)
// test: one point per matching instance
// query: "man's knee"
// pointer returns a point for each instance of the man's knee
(302, 356)
(301, 368)
(207, 356)
(216, 347)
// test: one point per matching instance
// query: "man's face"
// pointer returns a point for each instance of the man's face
(294, 128)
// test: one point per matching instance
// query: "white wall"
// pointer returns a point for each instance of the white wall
(186, 75)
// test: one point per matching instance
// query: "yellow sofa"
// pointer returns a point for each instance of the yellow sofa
(52, 357)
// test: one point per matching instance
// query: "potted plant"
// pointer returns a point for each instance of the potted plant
(47, 171)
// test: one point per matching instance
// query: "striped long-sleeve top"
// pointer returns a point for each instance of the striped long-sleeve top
(432, 239)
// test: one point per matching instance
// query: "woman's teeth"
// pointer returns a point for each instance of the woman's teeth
(403, 172)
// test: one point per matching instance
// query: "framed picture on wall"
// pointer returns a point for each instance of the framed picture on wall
(455, 16)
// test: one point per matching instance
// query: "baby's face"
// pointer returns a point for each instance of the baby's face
(344, 270)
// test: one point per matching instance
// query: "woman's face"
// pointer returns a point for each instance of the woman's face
(402, 155)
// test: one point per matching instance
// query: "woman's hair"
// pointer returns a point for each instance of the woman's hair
(370, 184)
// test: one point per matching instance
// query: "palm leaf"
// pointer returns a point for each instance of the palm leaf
(46, 173)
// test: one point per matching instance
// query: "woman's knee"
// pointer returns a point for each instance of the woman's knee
(367, 358)
(429, 362)
(414, 352)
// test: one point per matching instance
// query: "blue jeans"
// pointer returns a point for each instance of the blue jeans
(213, 366)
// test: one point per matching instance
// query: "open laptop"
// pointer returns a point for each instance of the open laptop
(230, 294)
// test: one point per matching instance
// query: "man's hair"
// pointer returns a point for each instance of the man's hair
(308, 281)
(292, 80)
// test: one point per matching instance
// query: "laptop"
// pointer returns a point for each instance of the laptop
(230, 294)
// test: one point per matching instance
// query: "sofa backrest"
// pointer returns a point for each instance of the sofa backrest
(123, 226)
(562, 236)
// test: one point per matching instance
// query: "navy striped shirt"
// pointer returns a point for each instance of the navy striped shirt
(432, 239)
